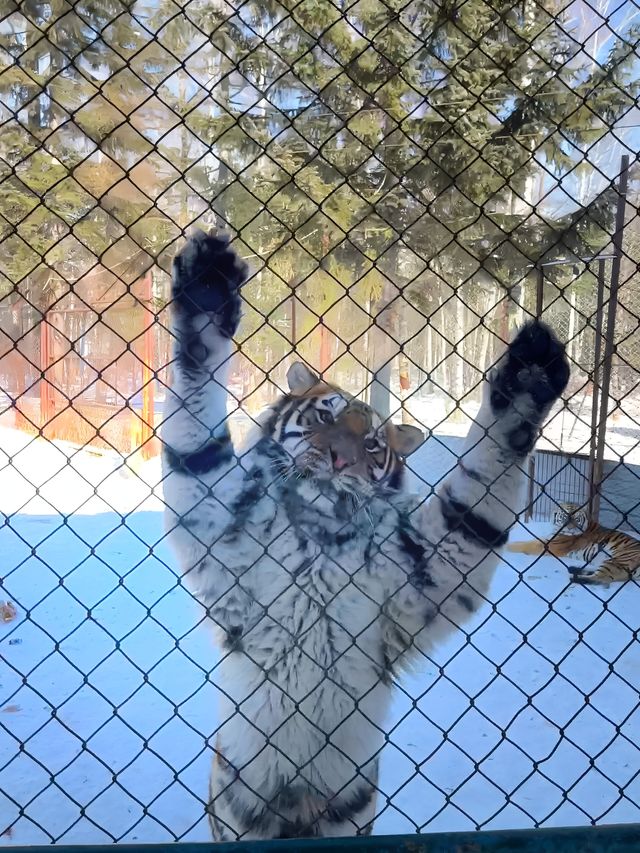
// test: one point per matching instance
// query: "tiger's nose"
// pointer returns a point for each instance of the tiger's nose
(339, 462)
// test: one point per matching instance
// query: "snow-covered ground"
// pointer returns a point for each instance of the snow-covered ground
(107, 682)
(568, 428)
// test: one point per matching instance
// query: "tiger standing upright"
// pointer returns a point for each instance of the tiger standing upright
(320, 576)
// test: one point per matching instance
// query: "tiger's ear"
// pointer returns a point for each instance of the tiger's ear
(300, 378)
(406, 439)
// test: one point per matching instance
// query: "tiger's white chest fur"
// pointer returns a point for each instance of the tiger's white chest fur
(303, 593)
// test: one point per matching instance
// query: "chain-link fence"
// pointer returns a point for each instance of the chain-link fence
(407, 181)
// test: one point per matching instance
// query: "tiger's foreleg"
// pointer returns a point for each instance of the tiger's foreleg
(609, 572)
(198, 453)
(205, 308)
(466, 523)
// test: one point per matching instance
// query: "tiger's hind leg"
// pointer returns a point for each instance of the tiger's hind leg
(235, 815)
(609, 572)
(219, 830)
(353, 817)
(239, 813)
(236, 812)
(353, 811)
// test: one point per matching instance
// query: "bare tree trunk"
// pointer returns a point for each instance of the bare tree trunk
(571, 343)
(404, 376)
(458, 390)
(429, 356)
(382, 338)
(380, 395)
(483, 355)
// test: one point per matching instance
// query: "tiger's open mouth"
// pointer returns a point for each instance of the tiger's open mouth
(321, 467)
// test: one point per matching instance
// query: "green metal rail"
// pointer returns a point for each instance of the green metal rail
(602, 839)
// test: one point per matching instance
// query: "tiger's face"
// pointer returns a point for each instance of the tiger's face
(327, 434)
(570, 516)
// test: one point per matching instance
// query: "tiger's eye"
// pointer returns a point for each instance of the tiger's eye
(372, 445)
(324, 416)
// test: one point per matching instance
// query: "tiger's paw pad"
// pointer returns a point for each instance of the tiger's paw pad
(535, 364)
(531, 376)
(207, 276)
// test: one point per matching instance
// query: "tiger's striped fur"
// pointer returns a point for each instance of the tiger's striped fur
(320, 577)
(621, 549)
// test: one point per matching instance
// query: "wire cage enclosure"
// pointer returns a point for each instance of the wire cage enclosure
(408, 183)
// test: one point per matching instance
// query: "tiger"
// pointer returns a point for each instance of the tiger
(621, 550)
(321, 576)
(570, 516)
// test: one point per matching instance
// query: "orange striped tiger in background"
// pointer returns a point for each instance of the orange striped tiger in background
(622, 553)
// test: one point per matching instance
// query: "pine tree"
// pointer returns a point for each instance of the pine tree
(380, 160)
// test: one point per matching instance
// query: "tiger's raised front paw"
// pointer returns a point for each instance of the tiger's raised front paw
(530, 377)
(207, 276)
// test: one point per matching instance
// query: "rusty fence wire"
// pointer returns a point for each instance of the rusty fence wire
(407, 181)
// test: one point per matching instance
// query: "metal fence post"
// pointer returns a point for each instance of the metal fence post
(609, 344)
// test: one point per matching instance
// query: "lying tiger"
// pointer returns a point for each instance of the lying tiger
(321, 577)
(621, 549)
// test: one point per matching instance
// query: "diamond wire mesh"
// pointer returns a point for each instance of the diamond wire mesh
(392, 172)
